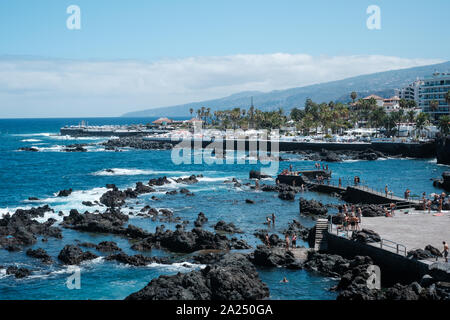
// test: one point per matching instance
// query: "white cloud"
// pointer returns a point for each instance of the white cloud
(45, 87)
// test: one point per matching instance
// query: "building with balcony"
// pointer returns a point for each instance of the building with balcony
(435, 88)
(410, 92)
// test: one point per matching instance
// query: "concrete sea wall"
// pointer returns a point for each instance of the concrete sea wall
(395, 268)
(414, 150)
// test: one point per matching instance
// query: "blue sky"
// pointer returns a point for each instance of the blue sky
(159, 32)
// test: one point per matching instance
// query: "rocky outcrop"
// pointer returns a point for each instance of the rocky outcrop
(339, 155)
(275, 257)
(188, 241)
(298, 229)
(257, 175)
(107, 246)
(73, 255)
(136, 260)
(201, 220)
(40, 254)
(330, 265)
(371, 210)
(136, 143)
(64, 193)
(20, 229)
(19, 273)
(158, 181)
(232, 278)
(312, 208)
(443, 150)
(443, 183)
(423, 254)
(366, 236)
(189, 180)
(227, 227)
(109, 222)
(287, 195)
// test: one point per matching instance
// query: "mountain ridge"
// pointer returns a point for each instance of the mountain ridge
(380, 83)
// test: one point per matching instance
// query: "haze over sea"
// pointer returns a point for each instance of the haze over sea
(42, 174)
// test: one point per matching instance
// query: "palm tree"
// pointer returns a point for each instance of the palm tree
(191, 111)
(444, 125)
(353, 95)
(447, 99)
(411, 116)
(434, 105)
(377, 118)
(422, 121)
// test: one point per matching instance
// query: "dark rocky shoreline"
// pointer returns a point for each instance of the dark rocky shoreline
(228, 275)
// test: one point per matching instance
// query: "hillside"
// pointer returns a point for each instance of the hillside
(382, 83)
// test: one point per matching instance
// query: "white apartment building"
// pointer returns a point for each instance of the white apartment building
(434, 88)
(411, 92)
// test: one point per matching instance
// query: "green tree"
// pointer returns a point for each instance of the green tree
(434, 105)
(378, 117)
(447, 99)
(353, 95)
(444, 124)
(422, 120)
(297, 114)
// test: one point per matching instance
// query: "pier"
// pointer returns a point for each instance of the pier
(351, 193)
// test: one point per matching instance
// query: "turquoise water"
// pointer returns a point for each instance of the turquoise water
(42, 174)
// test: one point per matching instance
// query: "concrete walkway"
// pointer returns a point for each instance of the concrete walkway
(414, 230)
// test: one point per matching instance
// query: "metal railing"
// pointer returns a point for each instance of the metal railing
(384, 243)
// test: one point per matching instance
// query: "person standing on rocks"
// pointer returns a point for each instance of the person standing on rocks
(286, 238)
(445, 252)
(267, 240)
(359, 216)
(294, 241)
(273, 219)
(386, 190)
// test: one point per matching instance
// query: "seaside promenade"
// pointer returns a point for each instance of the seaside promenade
(415, 229)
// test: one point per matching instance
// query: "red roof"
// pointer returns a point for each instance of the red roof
(373, 96)
(162, 120)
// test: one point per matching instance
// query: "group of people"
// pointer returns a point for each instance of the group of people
(438, 202)
(289, 241)
(351, 218)
(271, 220)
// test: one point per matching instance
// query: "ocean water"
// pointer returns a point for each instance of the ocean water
(42, 174)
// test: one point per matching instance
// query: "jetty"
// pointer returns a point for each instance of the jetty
(356, 193)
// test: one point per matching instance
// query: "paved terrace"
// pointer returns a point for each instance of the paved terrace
(414, 230)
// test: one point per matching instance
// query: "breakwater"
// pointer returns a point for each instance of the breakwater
(412, 150)
(394, 267)
(443, 150)
(352, 194)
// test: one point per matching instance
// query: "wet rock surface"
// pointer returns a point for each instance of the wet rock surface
(312, 208)
(233, 277)
(73, 255)
(18, 273)
(40, 254)
(136, 260)
(366, 236)
(136, 143)
(201, 220)
(339, 155)
(20, 229)
(275, 257)
(227, 227)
